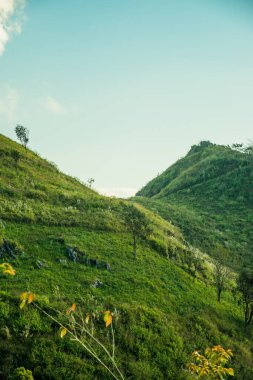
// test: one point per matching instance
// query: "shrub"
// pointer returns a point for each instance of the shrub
(22, 374)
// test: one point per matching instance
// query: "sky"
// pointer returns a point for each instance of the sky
(118, 90)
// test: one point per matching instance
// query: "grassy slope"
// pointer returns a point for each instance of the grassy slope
(163, 315)
(209, 195)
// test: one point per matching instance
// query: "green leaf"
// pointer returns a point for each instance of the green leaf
(22, 304)
(230, 371)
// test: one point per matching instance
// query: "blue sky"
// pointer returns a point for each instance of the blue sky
(118, 90)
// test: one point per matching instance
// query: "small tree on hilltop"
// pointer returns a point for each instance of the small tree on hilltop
(90, 182)
(22, 135)
(238, 147)
(137, 223)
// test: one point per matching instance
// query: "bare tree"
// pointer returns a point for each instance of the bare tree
(221, 277)
(194, 262)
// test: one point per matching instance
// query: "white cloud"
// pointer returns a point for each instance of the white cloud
(54, 106)
(120, 192)
(9, 103)
(11, 19)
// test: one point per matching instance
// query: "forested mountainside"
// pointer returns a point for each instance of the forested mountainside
(209, 195)
(72, 249)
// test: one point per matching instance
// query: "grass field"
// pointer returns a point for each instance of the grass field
(160, 314)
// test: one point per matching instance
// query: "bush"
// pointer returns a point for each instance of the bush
(158, 245)
(22, 374)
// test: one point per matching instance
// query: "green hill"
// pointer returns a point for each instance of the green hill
(209, 195)
(60, 236)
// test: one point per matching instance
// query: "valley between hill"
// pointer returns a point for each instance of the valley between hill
(62, 236)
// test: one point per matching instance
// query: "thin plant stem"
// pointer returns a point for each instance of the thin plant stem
(113, 342)
(96, 340)
(77, 339)
(90, 350)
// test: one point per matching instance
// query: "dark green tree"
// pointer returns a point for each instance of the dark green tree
(238, 147)
(16, 156)
(22, 135)
(245, 291)
(137, 223)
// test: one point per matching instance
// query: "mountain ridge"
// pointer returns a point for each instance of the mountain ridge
(212, 183)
